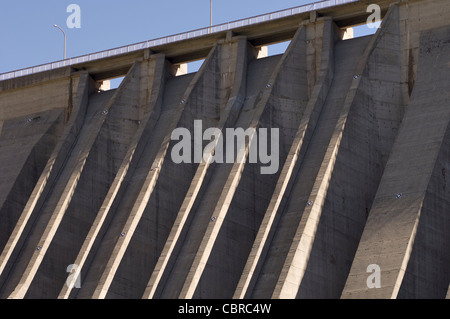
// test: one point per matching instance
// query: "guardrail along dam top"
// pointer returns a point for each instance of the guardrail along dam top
(174, 38)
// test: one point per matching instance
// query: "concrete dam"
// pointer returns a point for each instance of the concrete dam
(93, 204)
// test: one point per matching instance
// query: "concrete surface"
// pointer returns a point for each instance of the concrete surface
(87, 178)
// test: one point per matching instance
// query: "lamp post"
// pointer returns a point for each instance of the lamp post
(210, 13)
(64, 39)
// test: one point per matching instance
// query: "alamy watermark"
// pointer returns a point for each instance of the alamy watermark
(235, 138)
(74, 279)
(74, 19)
(374, 279)
(374, 20)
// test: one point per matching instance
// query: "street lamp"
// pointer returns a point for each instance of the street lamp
(64, 39)
(210, 13)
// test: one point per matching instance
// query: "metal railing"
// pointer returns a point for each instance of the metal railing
(174, 38)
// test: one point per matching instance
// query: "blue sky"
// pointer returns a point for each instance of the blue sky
(28, 37)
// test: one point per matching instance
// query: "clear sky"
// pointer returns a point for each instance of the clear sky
(28, 37)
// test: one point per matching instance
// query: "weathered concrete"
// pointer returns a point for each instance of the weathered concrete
(299, 145)
(401, 227)
(87, 178)
(232, 61)
(152, 74)
(55, 162)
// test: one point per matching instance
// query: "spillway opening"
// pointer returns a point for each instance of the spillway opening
(188, 67)
(110, 84)
(115, 82)
(273, 49)
(194, 66)
(361, 30)
(366, 29)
